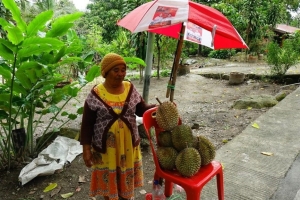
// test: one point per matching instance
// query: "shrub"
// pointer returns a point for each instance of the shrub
(31, 57)
(165, 73)
(282, 58)
(222, 54)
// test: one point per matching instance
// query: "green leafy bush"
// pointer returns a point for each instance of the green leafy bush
(32, 87)
(205, 51)
(282, 58)
(165, 73)
(221, 54)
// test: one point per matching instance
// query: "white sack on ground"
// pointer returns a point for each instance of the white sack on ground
(54, 157)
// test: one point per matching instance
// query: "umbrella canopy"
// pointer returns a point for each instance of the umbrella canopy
(166, 17)
(183, 19)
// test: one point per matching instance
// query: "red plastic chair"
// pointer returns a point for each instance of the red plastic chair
(192, 185)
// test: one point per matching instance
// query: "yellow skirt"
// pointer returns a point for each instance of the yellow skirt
(119, 170)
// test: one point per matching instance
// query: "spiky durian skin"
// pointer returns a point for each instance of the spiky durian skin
(182, 137)
(206, 149)
(188, 162)
(167, 115)
(164, 139)
(166, 157)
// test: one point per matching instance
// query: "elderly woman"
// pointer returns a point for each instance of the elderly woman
(109, 135)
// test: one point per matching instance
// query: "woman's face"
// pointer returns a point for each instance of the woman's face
(117, 73)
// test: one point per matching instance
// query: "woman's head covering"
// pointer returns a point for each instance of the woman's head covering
(109, 61)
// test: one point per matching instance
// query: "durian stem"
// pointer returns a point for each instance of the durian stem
(158, 100)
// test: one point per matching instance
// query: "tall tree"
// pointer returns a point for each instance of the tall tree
(60, 7)
(5, 14)
(106, 14)
(64, 7)
(139, 40)
(293, 5)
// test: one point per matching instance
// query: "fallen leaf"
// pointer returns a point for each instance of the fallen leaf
(55, 191)
(267, 153)
(67, 195)
(93, 198)
(143, 192)
(255, 125)
(77, 136)
(249, 108)
(78, 189)
(32, 192)
(50, 187)
(225, 141)
(81, 179)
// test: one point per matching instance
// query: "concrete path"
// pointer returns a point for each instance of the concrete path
(247, 68)
(262, 163)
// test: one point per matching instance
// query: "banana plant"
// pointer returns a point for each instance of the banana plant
(29, 58)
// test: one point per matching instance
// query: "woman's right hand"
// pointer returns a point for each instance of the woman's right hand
(87, 156)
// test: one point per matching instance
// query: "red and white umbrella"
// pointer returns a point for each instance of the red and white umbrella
(183, 19)
(166, 17)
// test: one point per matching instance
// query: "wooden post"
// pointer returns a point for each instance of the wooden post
(176, 62)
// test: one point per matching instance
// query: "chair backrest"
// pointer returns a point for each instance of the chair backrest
(149, 121)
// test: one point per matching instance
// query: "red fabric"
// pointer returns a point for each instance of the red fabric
(171, 31)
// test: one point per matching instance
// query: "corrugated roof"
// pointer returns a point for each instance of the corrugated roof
(283, 28)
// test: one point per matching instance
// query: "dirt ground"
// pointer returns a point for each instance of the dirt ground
(201, 101)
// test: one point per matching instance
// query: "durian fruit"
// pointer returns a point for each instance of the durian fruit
(164, 139)
(167, 115)
(182, 136)
(188, 162)
(206, 149)
(166, 157)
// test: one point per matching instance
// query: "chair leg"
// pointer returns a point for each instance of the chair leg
(193, 194)
(220, 185)
(156, 177)
(168, 188)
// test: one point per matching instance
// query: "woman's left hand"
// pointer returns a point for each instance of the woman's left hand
(87, 156)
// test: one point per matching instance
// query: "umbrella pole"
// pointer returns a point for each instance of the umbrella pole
(176, 62)
(148, 69)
